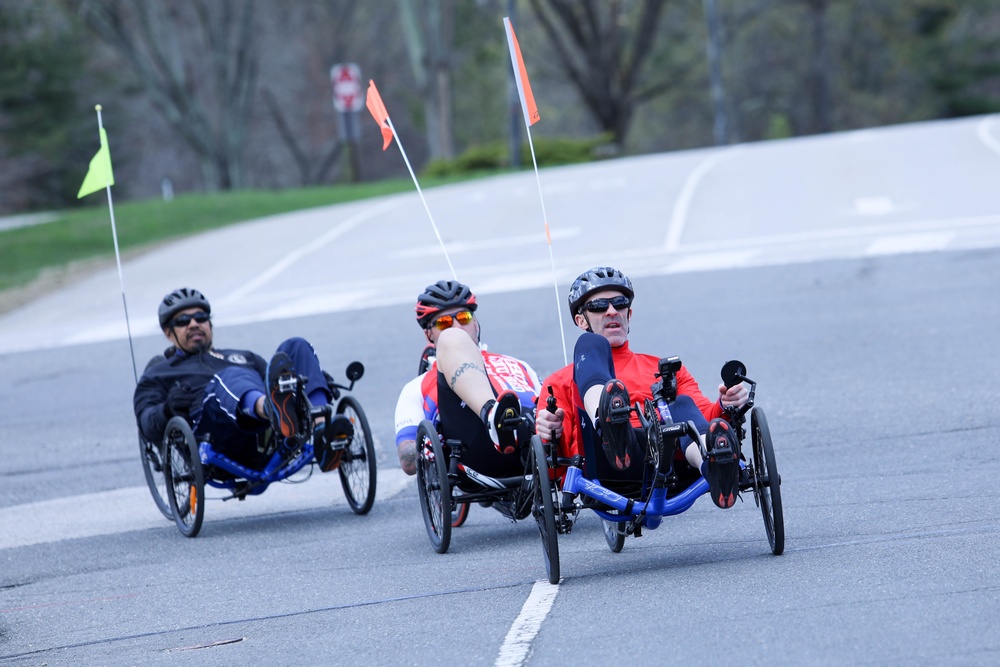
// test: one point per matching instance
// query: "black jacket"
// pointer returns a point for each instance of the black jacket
(194, 369)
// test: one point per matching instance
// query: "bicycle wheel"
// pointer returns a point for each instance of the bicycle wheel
(357, 465)
(767, 482)
(614, 533)
(433, 487)
(185, 477)
(544, 509)
(459, 513)
(151, 457)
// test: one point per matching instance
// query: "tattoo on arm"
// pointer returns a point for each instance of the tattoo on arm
(408, 456)
(461, 369)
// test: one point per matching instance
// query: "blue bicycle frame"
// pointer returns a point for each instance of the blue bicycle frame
(276, 469)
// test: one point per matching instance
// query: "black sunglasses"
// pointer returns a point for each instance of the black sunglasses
(182, 321)
(601, 305)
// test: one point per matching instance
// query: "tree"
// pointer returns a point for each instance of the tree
(603, 48)
(44, 137)
(197, 62)
(429, 28)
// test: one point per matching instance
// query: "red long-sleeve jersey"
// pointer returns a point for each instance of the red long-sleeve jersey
(638, 372)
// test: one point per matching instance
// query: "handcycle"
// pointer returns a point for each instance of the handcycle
(665, 489)
(447, 487)
(178, 469)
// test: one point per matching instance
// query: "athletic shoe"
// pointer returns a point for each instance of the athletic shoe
(613, 418)
(722, 463)
(330, 441)
(502, 417)
(283, 407)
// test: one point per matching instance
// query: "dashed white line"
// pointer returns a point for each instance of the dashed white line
(517, 643)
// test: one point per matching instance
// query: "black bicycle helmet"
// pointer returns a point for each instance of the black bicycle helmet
(594, 280)
(441, 295)
(181, 299)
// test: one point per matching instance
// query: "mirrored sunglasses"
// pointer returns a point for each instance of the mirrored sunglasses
(182, 321)
(601, 305)
(446, 321)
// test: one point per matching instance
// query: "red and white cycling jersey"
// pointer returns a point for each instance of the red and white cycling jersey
(419, 398)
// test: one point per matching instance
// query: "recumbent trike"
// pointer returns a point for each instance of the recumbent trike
(178, 468)
(447, 486)
(626, 507)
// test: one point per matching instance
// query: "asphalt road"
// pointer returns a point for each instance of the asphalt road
(856, 275)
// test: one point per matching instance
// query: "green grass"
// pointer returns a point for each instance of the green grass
(85, 233)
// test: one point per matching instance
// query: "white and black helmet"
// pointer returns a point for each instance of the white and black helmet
(181, 299)
(595, 280)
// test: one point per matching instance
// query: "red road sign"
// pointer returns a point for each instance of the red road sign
(346, 81)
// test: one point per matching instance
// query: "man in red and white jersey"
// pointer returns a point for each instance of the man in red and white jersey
(467, 392)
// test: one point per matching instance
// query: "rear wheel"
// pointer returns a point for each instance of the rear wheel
(185, 477)
(151, 457)
(459, 513)
(433, 487)
(767, 482)
(543, 507)
(357, 464)
(614, 533)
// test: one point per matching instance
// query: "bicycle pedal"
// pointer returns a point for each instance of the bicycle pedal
(287, 384)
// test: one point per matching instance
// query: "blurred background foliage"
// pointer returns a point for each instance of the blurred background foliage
(221, 95)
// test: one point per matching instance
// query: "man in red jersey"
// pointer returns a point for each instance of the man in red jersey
(606, 375)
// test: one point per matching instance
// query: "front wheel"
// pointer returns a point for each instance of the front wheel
(185, 476)
(543, 508)
(433, 487)
(357, 464)
(767, 482)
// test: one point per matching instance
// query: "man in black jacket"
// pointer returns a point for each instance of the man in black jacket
(231, 396)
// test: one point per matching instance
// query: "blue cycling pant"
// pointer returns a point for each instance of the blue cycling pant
(235, 431)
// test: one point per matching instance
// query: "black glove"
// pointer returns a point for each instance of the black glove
(180, 398)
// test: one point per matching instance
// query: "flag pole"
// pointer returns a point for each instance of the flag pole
(378, 111)
(118, 258)
(530, 117)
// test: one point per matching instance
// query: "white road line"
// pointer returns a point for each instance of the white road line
(983, 132)
(316, 244)
(461, 247)
(896, 245)
(130, 509)
(517, 643)
(683, 203)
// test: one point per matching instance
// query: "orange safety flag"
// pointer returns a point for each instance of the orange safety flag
(381, 116)
(521, 76)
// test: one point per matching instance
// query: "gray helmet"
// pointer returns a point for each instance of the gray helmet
(181, 299)
(441, 295)
(595, 280)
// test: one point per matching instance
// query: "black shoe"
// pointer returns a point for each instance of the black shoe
(502, 417)
(330, 441)
(284, 407)
(616, 429)
(722, 463)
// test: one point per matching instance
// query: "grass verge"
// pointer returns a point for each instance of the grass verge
(83, 236)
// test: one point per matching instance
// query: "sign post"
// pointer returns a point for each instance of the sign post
(348, 100)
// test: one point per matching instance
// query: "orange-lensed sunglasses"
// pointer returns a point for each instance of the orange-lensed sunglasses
(446, 321)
